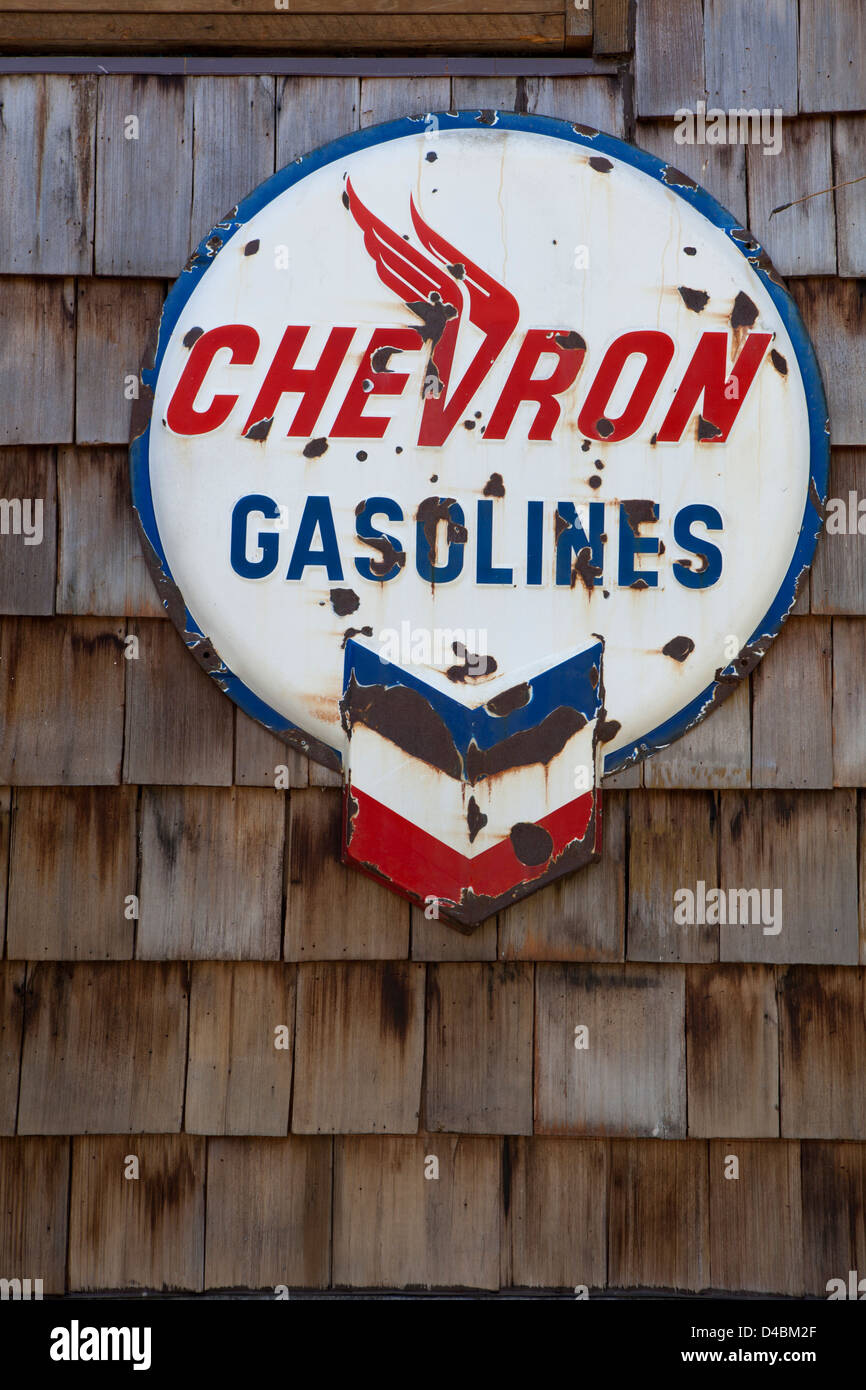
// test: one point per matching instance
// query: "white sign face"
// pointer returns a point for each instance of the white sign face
(465, 397)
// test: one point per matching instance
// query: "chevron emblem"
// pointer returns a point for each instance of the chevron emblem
(465, 809)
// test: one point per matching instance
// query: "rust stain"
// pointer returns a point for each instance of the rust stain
(607, 729)
(515, 698)
(475, 819)
(706, 429)
(638, 510)
(570, 342)
(532, 844)
(430, 513)
(403, 716)
(381, 358)
(696, 300)
(260, 430)
(526, 747)
(355, 632)
(678, 648)
(494, 487)
(675, 177)
(344, 602)
(583, 569)
(483, 666)
(314, 448)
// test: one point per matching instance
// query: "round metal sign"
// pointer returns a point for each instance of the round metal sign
(485, 454)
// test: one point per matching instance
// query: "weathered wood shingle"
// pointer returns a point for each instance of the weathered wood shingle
(832, 55)
(801, 239)
(834, 312)
(592, 101)
(834, 1212)
(658, 1215)
(669, 57)
(721, 169)
(801, 846)
(196, 904)
(732, 1051)
(137, 1232)
(849, 137)
(756, 1217)
(555, 1208)
(73, 873)
(34, 1194)
(479, 1049)
(179, 724)
(101, 568)
(822, 1016)
(61, 701)
(104, 1049)
(37, 367)
(838, 574)
(333, 912)
(359, 1046)
(117, 322)
(28, 545)
(849, 702)
(394, 1227)
(630, 1080)
(673, 842)
(233, 144)
(12, 984)
(268, 1213)
(751, 54)
(792, 739)
(241, 1042)
(46, 214)
(144, 148)
(716, 753)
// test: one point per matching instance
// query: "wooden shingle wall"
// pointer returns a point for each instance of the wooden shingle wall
(321, 1087)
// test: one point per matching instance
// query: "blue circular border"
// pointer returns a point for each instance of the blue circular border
(699, 199)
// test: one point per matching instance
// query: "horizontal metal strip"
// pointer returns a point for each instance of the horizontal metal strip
(325, 66)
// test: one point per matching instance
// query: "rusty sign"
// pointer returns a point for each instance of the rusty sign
(483, 455)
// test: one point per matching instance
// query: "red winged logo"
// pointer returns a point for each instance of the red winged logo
(435, 294)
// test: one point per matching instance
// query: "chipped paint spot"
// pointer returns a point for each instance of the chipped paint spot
(260, 430)
(474, 667)
(494, 487)
(638, 511)
(696, 300)
(707, 430)
(509, 700)
(744, 312)
(355, 632)
(531, 843)
(344, 602)
(675, 177)
(475, 819)
(678, 648)
(314, 448)
(570, 342)
(380, 360)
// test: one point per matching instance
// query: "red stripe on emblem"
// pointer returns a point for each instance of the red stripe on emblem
(386, 844)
